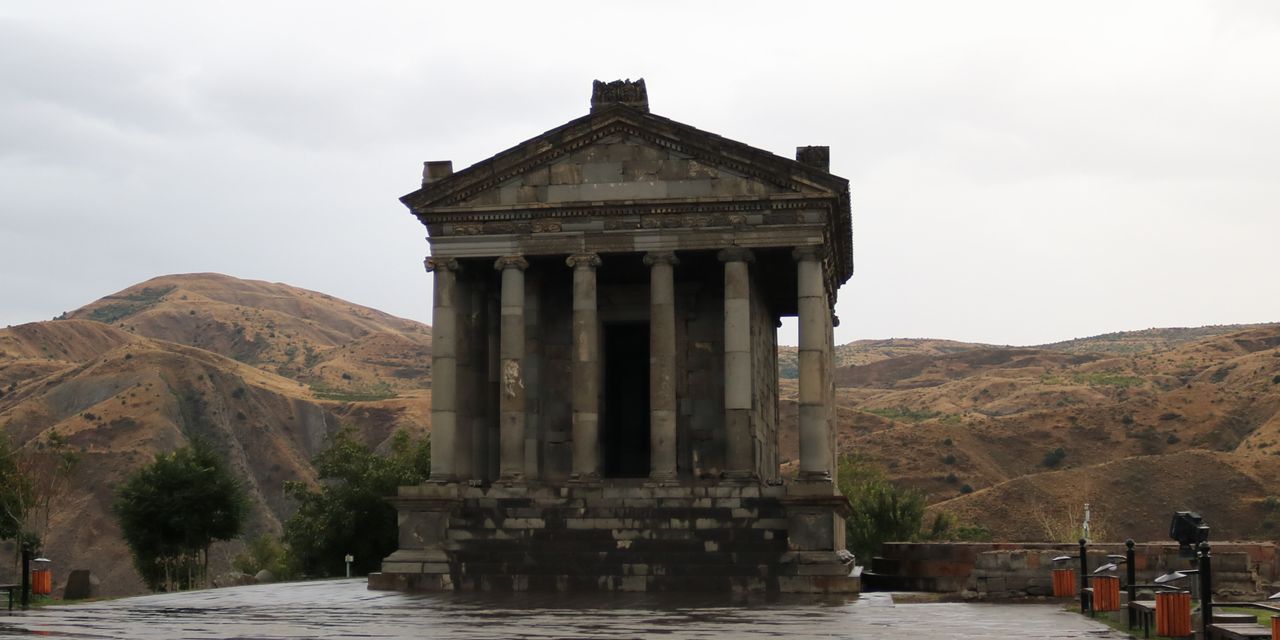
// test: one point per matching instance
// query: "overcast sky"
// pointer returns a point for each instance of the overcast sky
(1022, 172)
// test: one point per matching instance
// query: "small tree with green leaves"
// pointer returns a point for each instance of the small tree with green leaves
(885, 512)
(172, 510)
(348, 513)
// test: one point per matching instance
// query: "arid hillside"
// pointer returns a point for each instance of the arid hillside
(334, 346)
(1016, 439)
(203, 356)
(860, 352)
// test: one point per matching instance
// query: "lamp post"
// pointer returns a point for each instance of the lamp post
(1206, 588)
(26, 574)
(1131, 579)
(1084, 575)
(350, 558)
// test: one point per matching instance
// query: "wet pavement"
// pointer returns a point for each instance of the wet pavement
(345, 609)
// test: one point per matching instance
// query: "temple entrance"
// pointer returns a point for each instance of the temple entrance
(625, 432)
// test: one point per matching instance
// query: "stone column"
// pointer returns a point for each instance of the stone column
(586, 368)
(511, 375)
(815, 316)
(465, 409)
(481, 395)
(532, 368)
(662, 366)
(739, 454)
(444, 368)
(492, 416)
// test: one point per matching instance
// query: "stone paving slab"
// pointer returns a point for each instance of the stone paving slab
(346, 609)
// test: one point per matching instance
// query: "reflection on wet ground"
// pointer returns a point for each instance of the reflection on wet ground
(345, 609)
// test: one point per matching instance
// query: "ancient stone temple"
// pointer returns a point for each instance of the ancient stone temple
(605, 410)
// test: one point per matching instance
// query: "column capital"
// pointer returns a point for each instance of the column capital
(661, 257)
(584, 260)
(511, 262)
(736, 254)
(809, 252)
(433, 263)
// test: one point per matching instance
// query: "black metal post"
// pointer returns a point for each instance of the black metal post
(1131, 579)
(1084, 576)
(26, 575)
(1206, 589)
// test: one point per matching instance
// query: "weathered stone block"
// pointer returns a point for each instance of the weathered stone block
(602, 172)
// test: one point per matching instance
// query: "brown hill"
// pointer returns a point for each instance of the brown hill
(989, 419)
(124, 392)
(336, 346)
(1145, 340)
(860, 352)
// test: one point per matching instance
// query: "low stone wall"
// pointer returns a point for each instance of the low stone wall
(1241, 570)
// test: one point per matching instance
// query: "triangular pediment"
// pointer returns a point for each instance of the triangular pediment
(623, 155)
(625, 167)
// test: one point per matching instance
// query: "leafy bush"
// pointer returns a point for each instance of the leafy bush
(884, 512)
(966, 488)
(265, 552)
(348, 513)
(1054, 458)
(949, 459)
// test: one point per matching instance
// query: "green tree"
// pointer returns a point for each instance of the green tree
(884, 512)
(172, 510)
(348, 513)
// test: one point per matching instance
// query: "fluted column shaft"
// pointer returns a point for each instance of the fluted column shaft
(739, 454)
(511, 391)
(444, 368)
(586, 368)
(662, 366)
(814, 321)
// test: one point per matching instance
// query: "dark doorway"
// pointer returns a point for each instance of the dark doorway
(626, 400)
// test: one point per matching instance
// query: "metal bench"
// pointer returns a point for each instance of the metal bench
(1146, 614)
(13, 590)
(1238, 631)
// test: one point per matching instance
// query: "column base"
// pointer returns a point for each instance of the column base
(739, 477)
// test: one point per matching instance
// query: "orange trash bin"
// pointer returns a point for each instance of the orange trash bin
(41, 582)
(1106, 593)
(1064, 583)
(1173, 613)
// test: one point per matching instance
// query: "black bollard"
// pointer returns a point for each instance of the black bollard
(1131, 579)
(1206, 589)
(1084, 576)
(26, 576)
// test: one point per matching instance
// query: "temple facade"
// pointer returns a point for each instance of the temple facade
(605, 401)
